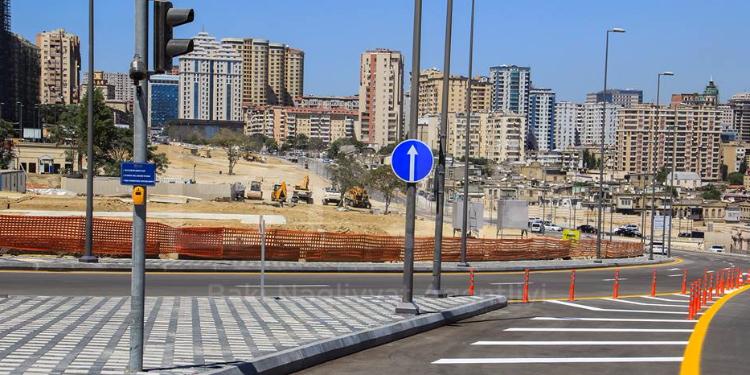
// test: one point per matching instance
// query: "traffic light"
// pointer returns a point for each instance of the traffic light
(165, 47)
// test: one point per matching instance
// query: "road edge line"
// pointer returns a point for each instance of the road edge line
(691, 363)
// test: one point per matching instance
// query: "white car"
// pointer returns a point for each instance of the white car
(717, 249)
(537, 228)
(552, 228)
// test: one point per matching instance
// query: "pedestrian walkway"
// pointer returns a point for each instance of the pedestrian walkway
(641, 334)
(183, 335)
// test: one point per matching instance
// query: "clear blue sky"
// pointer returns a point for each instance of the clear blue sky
(562, 41)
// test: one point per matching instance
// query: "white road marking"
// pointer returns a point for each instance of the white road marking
(591, 308)
(467, 361)
(285, 286)
(585, 343)
(513, 283)
(644, 330)
(616, 320)
(641, 303)
(665, 299)
(674, 269)
(621, 279)
(681, 295)
(675, 275)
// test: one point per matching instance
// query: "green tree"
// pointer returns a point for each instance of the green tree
(6, 145)
(232, 142)
(743, 166)
(346, 173)
(316, 145)
(710, 192)
(387, 149)
(661, 175)
(383, 179)
(335, 147)
(736, 178)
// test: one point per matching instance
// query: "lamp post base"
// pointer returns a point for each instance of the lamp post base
(409, 308)
(88, 259)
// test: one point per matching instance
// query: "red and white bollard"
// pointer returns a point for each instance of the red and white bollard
(525, 296)
(616, 285)
(572, 289)
(471, 281)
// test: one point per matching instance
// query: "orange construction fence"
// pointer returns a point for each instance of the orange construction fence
(65, 235)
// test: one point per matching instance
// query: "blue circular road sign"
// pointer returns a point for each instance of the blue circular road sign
(412, 160)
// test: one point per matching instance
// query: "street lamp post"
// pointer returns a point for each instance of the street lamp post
(652, 164)
(601, 149)
(671, 186)
(467, 144)
(88, 255)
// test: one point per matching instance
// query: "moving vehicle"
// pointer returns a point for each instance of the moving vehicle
(552, 228)
(537, 227)
(331, 195)
(627, 231)
(586, 228)
(357, 197)
(717, 249)
(302, 192)
(255, 192)
(692, 234)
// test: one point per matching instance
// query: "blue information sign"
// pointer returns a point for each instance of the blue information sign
(138, 174)
(412, 160)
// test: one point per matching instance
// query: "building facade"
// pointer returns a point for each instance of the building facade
(163, 100)
(645, 144)
(211, 81)
(381, 83)
(313, 101)
(60, 60)
(24, 86)
(541, 118)
(431, 93)
(624, 98)
(496, 136)
(282, 123)
(510, 88)
(122, 86)
(591, 131)
(273, 72)
(740, 105)
(568, 124)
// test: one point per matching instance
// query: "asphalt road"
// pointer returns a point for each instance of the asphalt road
(543, 284)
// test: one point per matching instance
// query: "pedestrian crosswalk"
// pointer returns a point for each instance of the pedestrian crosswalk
(634, 331)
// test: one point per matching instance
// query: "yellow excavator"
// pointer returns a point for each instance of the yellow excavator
(357, 197)
(302, 192)
(279, 193)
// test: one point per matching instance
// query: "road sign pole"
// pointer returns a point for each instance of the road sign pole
(137, 284)
(436, 289)
(262, 227)
(407, 305)
(88, 254)
(467, 144)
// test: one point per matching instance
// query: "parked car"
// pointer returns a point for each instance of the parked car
(537, 227)
(552, 228)
(717, 249)
(331, 195)
(627, 232)
(585, 228)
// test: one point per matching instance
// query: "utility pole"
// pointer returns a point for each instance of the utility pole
(407, 305)
(88, 255)
(139, 73)
(653, 163)
(465, 218)
(436, 289)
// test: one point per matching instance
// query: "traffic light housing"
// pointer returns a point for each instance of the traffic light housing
(165, 46)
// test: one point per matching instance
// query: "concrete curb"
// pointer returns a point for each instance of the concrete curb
(317, 267)
(726, 255)
(300, 358)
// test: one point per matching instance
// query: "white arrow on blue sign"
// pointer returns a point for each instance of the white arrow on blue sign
(412, 160)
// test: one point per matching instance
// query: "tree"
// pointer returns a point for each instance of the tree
(661, 175)
(388, 149)
(710, 192)
(531, 143)
(316, 144)
(6, 146)
(232, 142)
(743, 166)
(383, 179)
(335, 147)
(724, 171)
(736, 178)
(346, 173)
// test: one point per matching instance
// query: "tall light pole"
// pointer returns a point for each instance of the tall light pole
(436, 288)
(652, 163)
(671, 185)
(467, 144)
(88, 255)
(601, 149)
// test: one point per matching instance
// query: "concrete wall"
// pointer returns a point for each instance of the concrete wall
(110, 186)
(14, 181)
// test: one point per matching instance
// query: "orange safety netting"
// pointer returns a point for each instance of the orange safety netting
(65, 235)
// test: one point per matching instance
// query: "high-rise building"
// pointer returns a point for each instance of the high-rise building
(496, 136)
(624, 98)
(541, 118)
(273, 72)
(211, 81)
(163, 99)
(312, 101)
(281, 123)
(740, 105)
(710, 97)
(6, 61)
(726, 119)
(25, 86)
(591, 131)
(510, 88)
(431, 93)
(381, 83)
(60, 56)
(644, 145)
(122, 86)
(568, 124)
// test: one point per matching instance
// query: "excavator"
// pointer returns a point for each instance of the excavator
(357, 197)
(279, 193)
(302, 192)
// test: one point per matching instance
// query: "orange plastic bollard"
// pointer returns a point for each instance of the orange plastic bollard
(525, 297)
(711, 287)
(747, 276)
(471, 281)
(616, 285)
(572, 290)
(691, 303)
(684, 282)
(653, 283)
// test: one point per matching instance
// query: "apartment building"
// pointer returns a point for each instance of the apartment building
(122, 86)
(281, 123)
(740, 105)
(591, 130)
(381, 82)
(431, 93)
(510, 88)
(313, 101)
(541, 118)
(623, 98)
(568, 124)
(497, 136)
(273, 72)
(60, 58)
(645, 140)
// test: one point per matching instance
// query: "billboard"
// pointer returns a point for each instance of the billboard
(475, 213)
(512, 214)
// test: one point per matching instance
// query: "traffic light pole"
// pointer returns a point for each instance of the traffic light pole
(137, 283)
(407, 305)
(88, 255)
